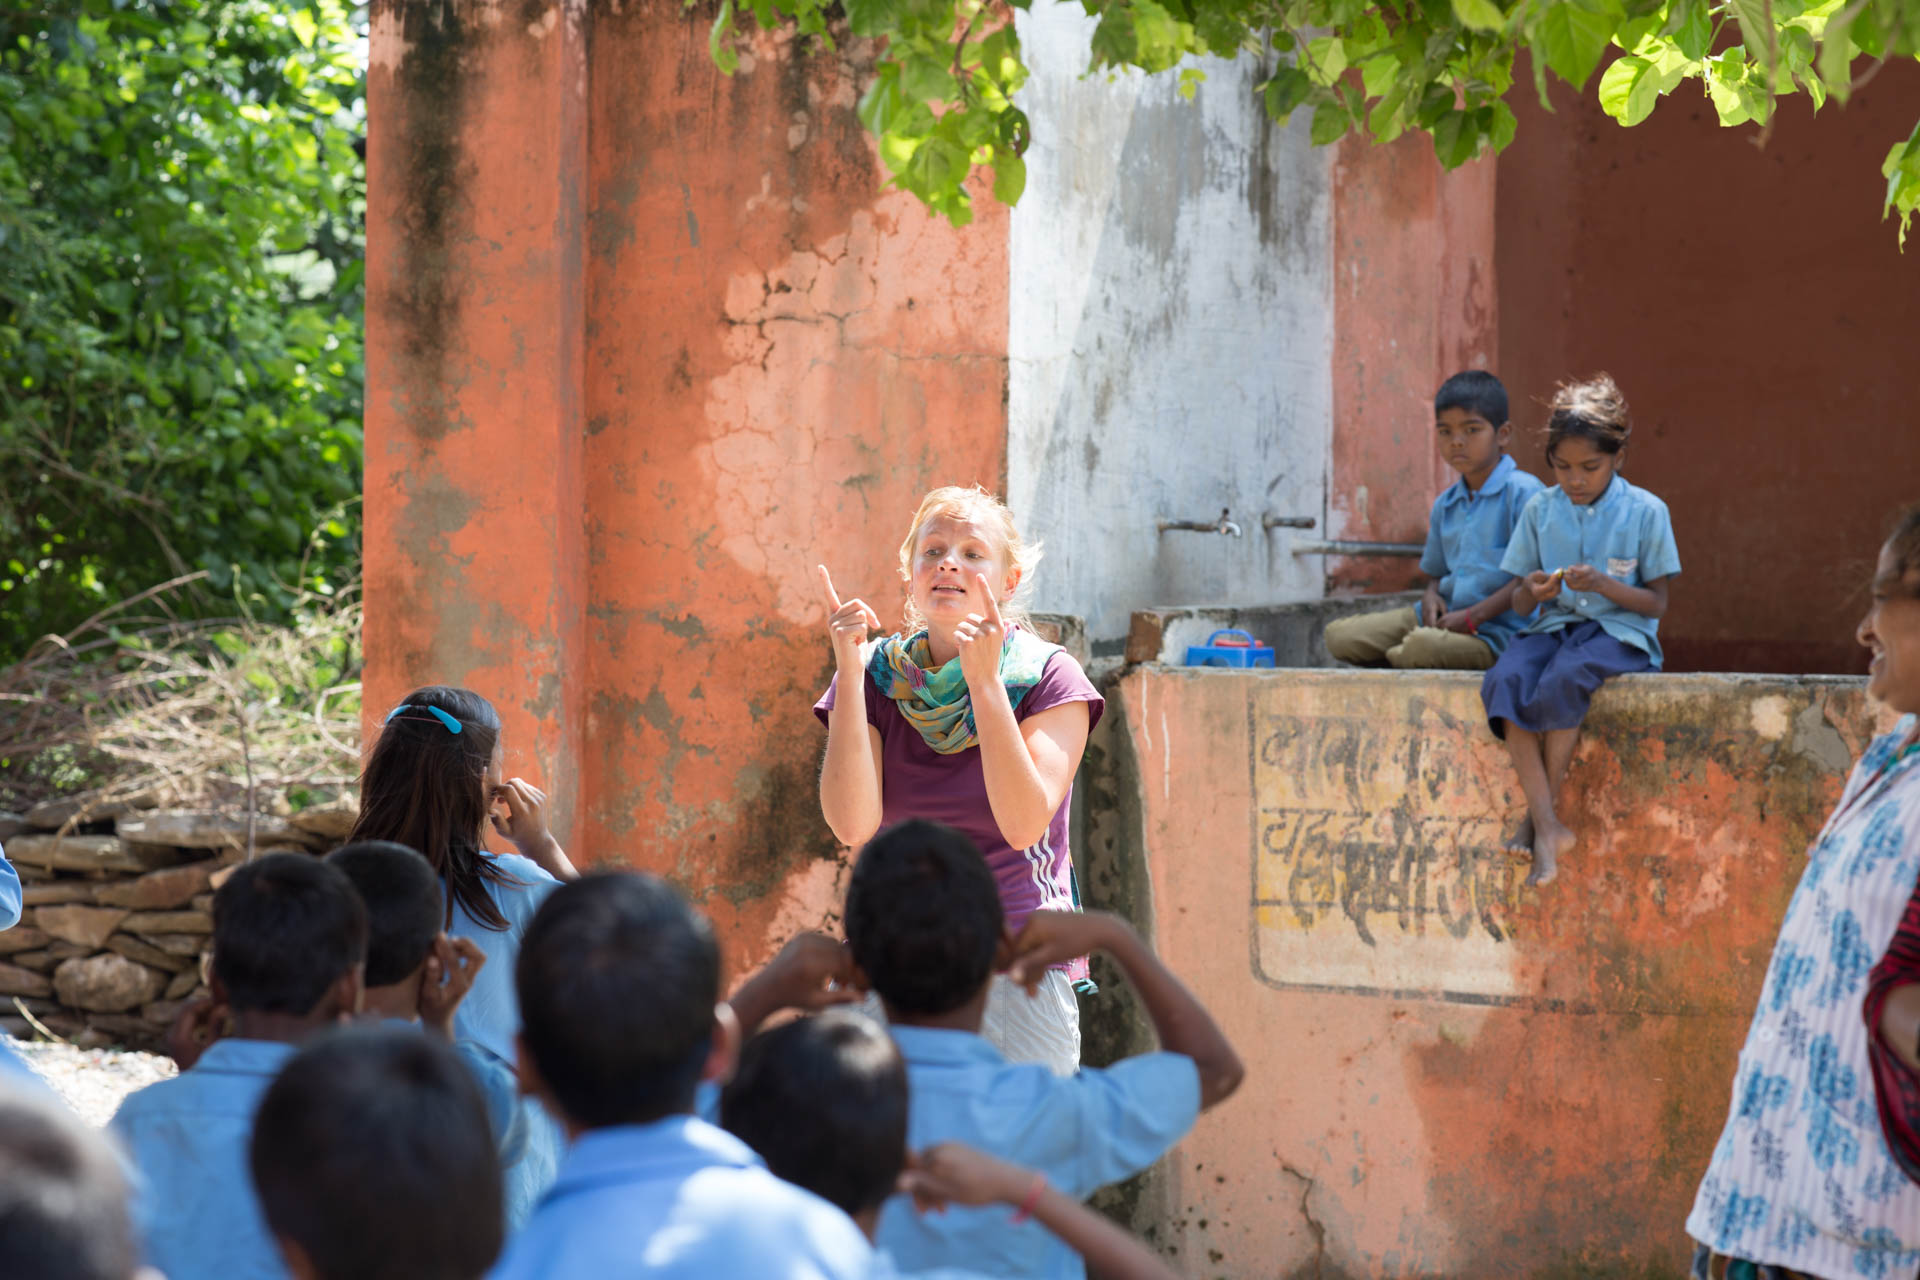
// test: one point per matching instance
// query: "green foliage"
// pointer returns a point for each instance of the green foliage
(942, 99)
(180, 301)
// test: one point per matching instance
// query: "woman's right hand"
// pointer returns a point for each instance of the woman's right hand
(847, 625)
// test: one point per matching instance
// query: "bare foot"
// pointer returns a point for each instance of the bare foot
(1549, 846)
(1521, 841)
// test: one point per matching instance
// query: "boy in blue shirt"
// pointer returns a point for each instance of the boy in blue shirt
(1465, 620)
(373, 1157)
(824, 1102)
(289, 939)
(416, 976)
(619, 986)
(925, 927)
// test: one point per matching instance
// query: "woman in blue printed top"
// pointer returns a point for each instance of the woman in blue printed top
(1596, 554)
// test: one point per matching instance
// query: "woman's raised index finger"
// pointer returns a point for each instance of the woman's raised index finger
(826, 585)
(986, 590)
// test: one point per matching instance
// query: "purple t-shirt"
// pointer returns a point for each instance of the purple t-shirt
(918, 782)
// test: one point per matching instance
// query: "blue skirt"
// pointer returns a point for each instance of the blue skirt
(1546, 680)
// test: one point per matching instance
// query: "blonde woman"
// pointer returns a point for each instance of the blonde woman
(966, 717)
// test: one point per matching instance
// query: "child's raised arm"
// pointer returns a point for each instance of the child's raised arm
(957, 1174)
(1179, 1019)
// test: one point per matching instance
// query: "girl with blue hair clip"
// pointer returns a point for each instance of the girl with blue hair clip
(435, 782)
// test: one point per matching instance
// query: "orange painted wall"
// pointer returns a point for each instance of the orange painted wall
(1760, 316)
(1414, 301)
(1449, 1074)
(647, 343)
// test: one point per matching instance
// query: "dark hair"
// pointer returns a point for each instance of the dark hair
(923, 917)
(372, 1151)
(285, 928)
(402, 897)
(63, 1199)
(425, 787)
(1476, 391)
(618, 978)
(1904, 537)
(824, 1102)
(1590, 410)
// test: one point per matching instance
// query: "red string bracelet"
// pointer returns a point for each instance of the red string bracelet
(1032, 1202)
(1473, 628)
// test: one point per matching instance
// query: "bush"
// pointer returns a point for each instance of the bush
(180, 304)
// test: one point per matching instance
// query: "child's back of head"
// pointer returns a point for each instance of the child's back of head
(923, 918)
(823, 1100)
(1475, 391)
(426, 786)
(286, 929)
(373, 1160)
(402, 897)
(63, 1199)
(618, 979)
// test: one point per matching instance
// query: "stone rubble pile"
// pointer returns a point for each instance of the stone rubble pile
(119, 908)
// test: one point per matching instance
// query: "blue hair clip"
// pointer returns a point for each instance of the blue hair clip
(453, 726)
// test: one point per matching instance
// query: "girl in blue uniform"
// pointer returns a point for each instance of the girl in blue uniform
(1596, 555)
(435, 782)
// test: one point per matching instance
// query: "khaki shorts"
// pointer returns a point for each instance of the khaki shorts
(1395, 638)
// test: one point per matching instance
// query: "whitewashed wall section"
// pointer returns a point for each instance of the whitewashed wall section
(1170, 334)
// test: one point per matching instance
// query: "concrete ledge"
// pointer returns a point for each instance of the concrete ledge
(1293, 630)
(1450, 1073)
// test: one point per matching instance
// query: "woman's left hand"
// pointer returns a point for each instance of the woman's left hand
(981, 637)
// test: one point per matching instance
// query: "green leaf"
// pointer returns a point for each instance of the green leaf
(304, 26)
(1691, 27)
(1629, 89)
(1456, 139)
(1503, 126)
(870, 18)
(927, 79)
(720, 40)
(1572, 37)
(1479, 15)
(1330, 123)
(1009, 177)
(1837, 51)
(1286, 91)
(1326, 59)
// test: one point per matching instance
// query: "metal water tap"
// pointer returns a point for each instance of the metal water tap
(1223, 525)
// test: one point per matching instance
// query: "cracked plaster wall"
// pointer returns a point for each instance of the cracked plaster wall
(1449, 1075)
(646, 344)
(1170, 333)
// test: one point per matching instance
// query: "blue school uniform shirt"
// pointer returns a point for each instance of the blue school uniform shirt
(1082, 1131)
(1467, 540)
(675, 1198)
(489, 1017)
(196, 1213)
(9, 893)
(499, 1088)
(1624, 533)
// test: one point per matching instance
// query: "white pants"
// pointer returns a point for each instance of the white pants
(1044, 1028)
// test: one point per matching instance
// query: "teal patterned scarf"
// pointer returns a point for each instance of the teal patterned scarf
(936, 702)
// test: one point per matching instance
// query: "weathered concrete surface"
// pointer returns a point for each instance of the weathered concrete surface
(1295, 632)
(1413, 302)
(1170, 329)
(647, 343)
(1451, 1075)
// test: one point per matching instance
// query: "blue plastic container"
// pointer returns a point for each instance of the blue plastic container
(1242, 650)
